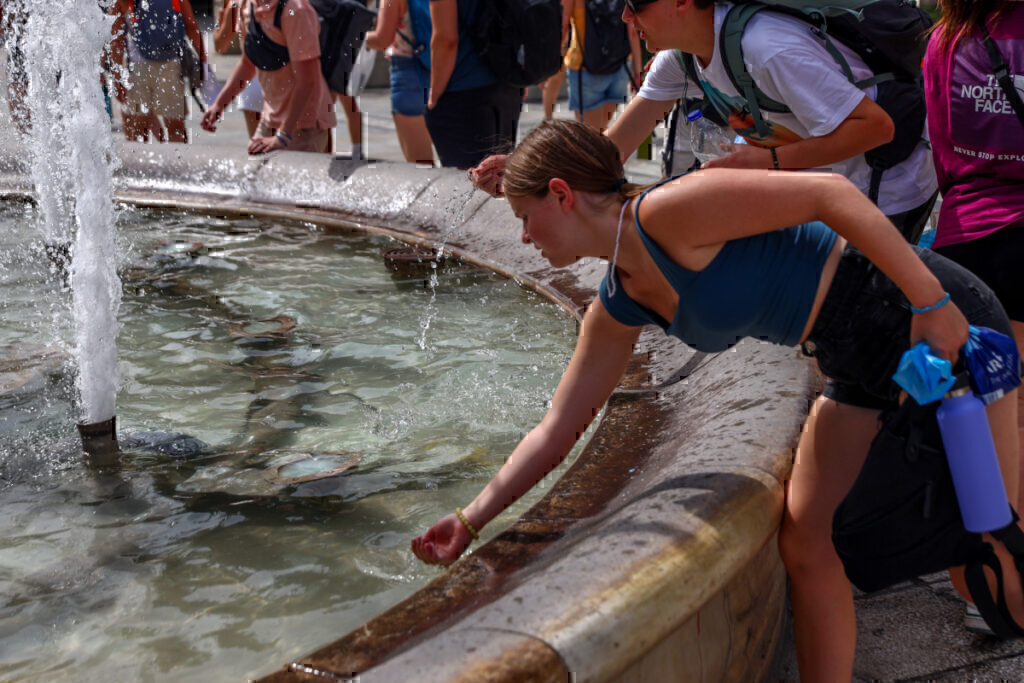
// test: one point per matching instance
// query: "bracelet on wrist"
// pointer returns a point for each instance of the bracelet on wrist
(775, 158)
(939, 304)
(465, 523)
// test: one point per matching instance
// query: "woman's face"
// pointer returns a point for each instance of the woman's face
(545, 226)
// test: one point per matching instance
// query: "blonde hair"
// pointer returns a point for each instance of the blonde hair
(578, 154)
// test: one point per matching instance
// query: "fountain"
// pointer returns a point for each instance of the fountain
(72, 171)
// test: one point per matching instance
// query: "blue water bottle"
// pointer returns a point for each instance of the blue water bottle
(972, 459)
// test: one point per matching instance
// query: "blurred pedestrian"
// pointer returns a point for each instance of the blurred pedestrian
(284, 49)
(148, 42)
(409, 79)
(604, 54)
(469, 112)
(225, 34)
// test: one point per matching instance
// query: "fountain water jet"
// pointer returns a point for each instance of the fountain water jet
(72, 171)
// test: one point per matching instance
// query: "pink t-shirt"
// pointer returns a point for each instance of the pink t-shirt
(977, 140)
(300, 31)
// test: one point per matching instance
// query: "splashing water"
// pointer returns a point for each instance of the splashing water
(455, 210)
(72, 169)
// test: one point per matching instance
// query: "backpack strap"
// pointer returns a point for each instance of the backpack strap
(731, 47)
(1002, 73)
(996, 613)
(278, 13)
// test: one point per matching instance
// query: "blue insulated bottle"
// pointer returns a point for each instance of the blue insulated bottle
(972, 461)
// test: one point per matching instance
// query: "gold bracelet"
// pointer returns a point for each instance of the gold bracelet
(465, 522)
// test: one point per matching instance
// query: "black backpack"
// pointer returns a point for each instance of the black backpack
(901, 518)
(606, 38)
(159, 29)
(889, 35)
(343, 27)
(520, 40)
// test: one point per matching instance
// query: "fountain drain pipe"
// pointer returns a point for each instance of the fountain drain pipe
(99, 441)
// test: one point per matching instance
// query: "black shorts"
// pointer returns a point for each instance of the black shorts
(467, 126)
(995, 258)
(863, 327)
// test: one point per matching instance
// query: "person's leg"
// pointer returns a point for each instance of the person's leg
(176, 131)
(414, 139)
(136, 126)
(354, 119)
(830, 454)
(1018, 333)
(252, 119)
(549, 92)
(600, 117)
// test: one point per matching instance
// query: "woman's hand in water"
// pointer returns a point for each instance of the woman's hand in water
(488, 175)
(945, 330)
(443, 542)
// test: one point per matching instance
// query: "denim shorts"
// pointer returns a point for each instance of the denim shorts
(409, 87)
(863, 327)
(597, 90)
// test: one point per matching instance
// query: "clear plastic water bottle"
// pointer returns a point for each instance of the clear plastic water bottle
(972, 460)
(707, 139)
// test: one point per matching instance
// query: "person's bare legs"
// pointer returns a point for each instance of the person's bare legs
(600, 118)
(1018, 333)
(252, 119)
(176, 131)
(829, 456)
(354, 119)
(550, 91)
(414, 139)
(136, 127)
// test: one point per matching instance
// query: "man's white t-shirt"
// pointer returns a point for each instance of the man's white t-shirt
(792, 66)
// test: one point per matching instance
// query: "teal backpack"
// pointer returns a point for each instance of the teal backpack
(889, 35)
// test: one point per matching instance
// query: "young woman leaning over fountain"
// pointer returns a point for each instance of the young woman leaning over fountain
(715, 256)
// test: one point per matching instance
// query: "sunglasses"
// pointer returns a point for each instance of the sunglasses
(636, 5)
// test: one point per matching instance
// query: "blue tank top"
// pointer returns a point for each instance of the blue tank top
(761, 286)
(470, 71)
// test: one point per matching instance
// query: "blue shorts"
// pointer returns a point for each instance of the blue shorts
(409, 87)
(597, 90)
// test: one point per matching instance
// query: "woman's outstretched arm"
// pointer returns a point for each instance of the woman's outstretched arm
(721, 205)
(601, 353)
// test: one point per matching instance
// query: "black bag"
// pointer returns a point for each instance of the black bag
(520, 40)
(901, 518)
(606, 38)
(343, 28)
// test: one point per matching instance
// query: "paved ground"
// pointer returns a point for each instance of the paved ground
(912, 632)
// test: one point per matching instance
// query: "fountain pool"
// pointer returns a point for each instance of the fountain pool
(222, 563)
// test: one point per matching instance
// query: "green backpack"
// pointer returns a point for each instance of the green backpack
(889, 35)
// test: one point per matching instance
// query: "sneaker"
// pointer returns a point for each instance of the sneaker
(975, 623)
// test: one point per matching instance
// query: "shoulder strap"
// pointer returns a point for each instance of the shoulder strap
(278, 13)
(731, 47)
(1002, 73)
